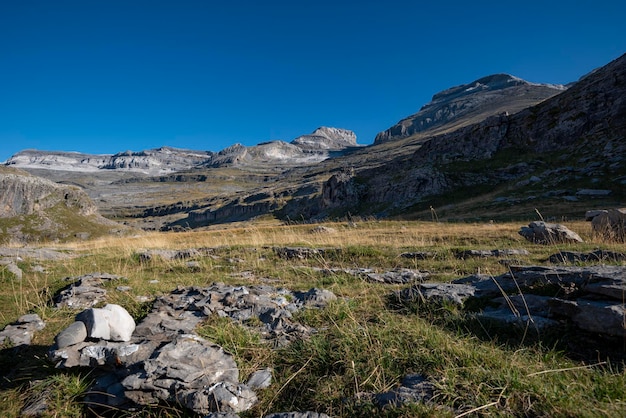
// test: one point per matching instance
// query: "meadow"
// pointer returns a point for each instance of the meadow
(364, 344)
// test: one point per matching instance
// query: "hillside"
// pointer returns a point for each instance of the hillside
(496, 148)
(34, 209)
(470, 103)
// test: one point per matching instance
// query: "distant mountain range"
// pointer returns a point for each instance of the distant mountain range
(498, 147)
(315, 147)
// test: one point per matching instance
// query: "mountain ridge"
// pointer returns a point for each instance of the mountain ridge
(487, 96)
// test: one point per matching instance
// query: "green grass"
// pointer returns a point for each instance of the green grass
(364, 344)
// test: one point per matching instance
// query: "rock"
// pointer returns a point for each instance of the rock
(590, 298)
(415, 388)
(121, 324)
(297, 252)
(593, 256)
(22, 331)
(260, 379)
(437, 292)
(593, 316)
(316, 297)
(168, 255)
(609, 224)
(15, 270)
(593, 192)
(321, 229)
(193, 372)
(111, 323)
(165, 361)
(75, 333)
(419, 255)
(84, 291)
(548, 233)
(462, 254)
(399, 276)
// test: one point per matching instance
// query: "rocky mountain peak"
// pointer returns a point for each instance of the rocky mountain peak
(471, 103)
(325, 138)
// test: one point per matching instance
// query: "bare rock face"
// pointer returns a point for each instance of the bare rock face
(23, 194)
(474, 101)
(325, 138)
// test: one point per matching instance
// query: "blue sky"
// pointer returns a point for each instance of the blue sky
(107, 76)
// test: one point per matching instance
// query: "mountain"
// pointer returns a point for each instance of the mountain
(323, 143)
(565, 154)
(470, 103)
(496, 148)
(33, 208)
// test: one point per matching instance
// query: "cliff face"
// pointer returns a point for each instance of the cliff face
(470, 103)
(33, 208)
(576, 137)
(23, 194)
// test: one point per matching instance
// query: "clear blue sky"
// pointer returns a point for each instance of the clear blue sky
(107, 76)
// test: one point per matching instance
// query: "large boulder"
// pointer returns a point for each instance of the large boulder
(608, 224)
(548, 233)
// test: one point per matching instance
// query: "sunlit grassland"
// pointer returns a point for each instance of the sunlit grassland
(364, 342)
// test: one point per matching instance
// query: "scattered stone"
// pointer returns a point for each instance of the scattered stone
(463, 254)
(541, 232)
(419, 255)
(84, 291)
(123, 288)
(593, 192)
(591, 298)
(415, 388)
(437, 292)
(260, 379)
(321, 229)
(399, 276)
(15, 270)
(594, 256)
(297, 252)
(316, 297)
(38, 269)
(609, 224)
(44, 254)
(75, 333)
(22, 331)
(165, 361)
(168, 255)
(193, 266)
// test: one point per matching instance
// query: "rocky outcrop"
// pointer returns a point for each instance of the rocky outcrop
(35, 209)
(155, 161)
(470, 103)
(325, 138)
(589, 298)
(164, 360)
(23, 194)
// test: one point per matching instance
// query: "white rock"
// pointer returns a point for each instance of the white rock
(121, 324)
(97, 323)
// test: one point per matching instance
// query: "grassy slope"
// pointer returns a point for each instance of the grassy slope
(364, 345)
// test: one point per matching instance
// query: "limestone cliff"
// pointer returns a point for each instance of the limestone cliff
(471, 103)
